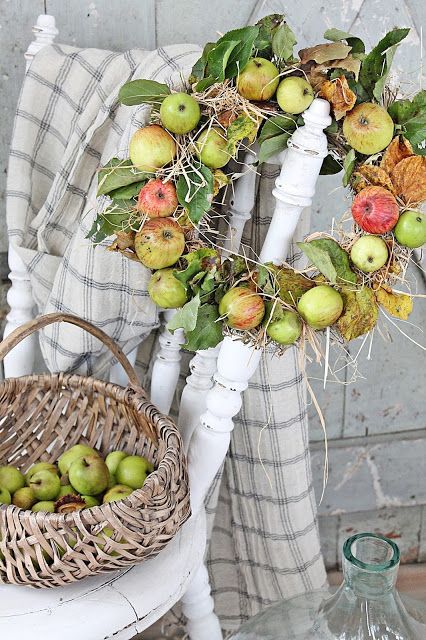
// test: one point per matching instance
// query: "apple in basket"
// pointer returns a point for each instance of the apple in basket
(89, 475)
(368, 128)
(159, 243)
(242, 308)
(116, 493)
(294, 94)
(133, 470)
(11, 479)
(157, 199)
(151, 148)
(76, 452)
(180, 113)
(321, 306)
(369, 253)
(258, 80)
(375, 210)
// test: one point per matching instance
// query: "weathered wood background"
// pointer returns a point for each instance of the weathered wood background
(376, 426)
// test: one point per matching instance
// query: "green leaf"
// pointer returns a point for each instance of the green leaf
(267, 27)
(118, 173)
(336, 35)
(143, 92)
(199, 68)
(197, 261)
(348, 166)
(186, 317)
(360, 313)
(108, 222)
(338, 257)
(208, 330)
(242, 127)
(375, 65)
(241, 53)
(291, 285)
(195, 191)
(330, 166)
(204, 84)
(218, 59)
(320, 259)
(283, 42)
(271, 146)
(412, 115)
(127, 192)
(276, 126)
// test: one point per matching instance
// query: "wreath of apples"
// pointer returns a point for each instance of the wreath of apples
(159, 204)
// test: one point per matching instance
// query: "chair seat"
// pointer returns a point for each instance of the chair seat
(112, 605)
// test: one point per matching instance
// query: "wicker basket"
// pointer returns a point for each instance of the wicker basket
(43, 415)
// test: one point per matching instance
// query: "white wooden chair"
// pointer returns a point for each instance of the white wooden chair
(121, 604)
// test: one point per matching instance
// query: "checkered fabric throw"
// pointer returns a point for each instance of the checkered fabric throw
(264, 540)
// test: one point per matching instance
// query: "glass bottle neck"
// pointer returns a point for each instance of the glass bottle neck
(370, 565)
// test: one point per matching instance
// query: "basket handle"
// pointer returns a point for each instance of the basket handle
(30, 327)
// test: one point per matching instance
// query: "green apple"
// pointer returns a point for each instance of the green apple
(11, 479)
(294, 94)
(133, 470)
(113, 459)
(45, 505)
(410, 230)
(119, 492)
(46, 485)
(368, 128)
(321, 306)
(112, 480)
(369, 253)
(211, 148)
(40, 466)
(91, 501)
(89, 475)
(167, 291)
(258, 80)
(5, 497)
(77, 451)
(66, 490)
(180, 113)
(24, 498)
(285, 329)
(151, 148)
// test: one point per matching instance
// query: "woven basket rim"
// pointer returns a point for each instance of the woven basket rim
(131, 394)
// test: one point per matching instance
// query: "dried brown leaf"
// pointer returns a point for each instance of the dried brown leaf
(399, 305)
(369, 175)
(409, 179)
(398, 149)
(325, 52)
(339, 95)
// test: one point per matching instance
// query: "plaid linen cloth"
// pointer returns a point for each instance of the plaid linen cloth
(264, 540)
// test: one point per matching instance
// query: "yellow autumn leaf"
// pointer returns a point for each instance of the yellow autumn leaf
(369, 175)
(399, 305)
(409, 179)
(339, 95)
(220, 179)
(398, 149)
(360, 313)
(325, 52)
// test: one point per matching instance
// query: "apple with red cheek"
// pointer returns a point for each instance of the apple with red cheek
(242, 308)
(160, 243)
(157, 199)
(375, 210)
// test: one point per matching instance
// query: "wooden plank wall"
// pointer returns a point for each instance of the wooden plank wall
(376, 426)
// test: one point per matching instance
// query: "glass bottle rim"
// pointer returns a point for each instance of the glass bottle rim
(389, 564)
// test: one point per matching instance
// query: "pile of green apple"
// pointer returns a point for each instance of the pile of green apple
(81, 479)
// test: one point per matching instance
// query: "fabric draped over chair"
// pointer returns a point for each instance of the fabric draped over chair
(264, 538)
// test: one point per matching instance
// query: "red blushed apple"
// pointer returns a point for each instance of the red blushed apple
(160, 243)
(375, 210)
(242, 308)
(157, 199)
